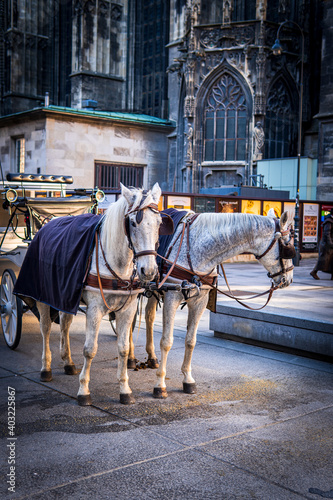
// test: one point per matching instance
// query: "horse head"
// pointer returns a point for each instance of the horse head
(142, 227)
(277, 258)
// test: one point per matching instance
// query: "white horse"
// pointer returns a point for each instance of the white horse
(214, 238)
(123, 248)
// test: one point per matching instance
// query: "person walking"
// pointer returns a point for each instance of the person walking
(325, 257)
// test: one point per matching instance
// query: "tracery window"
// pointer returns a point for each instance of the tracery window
(280, 123)
(225, 121)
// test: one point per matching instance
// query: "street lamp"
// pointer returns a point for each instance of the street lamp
(277, 50)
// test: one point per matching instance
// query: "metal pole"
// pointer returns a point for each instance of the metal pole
(299, 147)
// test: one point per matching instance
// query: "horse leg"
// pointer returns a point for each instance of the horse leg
(65, 349)
(45, 329)
(150, 314)
(171, 303)
(93, 320)
(124, 319)
(196, 307)
(131, 361)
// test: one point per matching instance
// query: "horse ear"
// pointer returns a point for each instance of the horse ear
(284, 221)
(156, 192)
(271, 213)
(167, 226)
(127, 193)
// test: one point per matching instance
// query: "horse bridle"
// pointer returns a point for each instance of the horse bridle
(139, 217)
(286, 250)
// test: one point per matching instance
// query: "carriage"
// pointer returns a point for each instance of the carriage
(29, 201)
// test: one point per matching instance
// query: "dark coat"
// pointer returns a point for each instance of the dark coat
(325, 257)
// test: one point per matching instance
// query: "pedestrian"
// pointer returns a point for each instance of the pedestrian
(325, 257)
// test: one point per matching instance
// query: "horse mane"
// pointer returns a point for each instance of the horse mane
(113, 222)
(223, 225)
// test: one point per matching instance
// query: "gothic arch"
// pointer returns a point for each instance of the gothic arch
(226, 92)
(213, 77)
(281, 117)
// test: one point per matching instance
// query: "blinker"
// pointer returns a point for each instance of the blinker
(287, 251)
(139, 216)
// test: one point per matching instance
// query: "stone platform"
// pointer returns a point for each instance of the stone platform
(297, 319)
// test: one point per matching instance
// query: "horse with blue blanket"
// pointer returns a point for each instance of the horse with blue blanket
(103, 262)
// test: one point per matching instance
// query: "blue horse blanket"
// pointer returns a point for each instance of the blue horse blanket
(55, 264)
(165, 241)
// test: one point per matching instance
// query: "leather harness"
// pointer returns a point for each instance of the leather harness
(116, 283)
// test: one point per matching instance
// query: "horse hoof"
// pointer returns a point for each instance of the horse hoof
(189, 388)
(127, 399)
(153, 363)
(131, 364)
(46, 375)
(70, 370)
(160, 393)
(84, 400)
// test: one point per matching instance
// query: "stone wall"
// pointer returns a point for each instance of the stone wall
(67, 144)
(325, 116)
(34, 134)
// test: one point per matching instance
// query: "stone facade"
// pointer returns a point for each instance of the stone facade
(221, 61)
(58, 141)
(207, 65)
(325, 116)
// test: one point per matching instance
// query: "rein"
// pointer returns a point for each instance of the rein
(118, 283)
(212, 283)
(286, 251)
(127, 285)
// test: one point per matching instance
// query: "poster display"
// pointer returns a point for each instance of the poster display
(290, 208)
(310, 222)
(228, 206)
(276, 205)
(325, 210)
(161, 203)
(251, 207)
(180, 202)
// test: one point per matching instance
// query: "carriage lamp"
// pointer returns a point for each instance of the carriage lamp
(99, 195)
(11, 195)
(277, 51)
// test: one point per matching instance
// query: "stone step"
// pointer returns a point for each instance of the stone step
(284, 330)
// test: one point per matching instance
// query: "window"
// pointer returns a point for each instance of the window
(280, 123)
(108, 176)
(225, 122)
(154, 56)
(19, 154)
(201, 205)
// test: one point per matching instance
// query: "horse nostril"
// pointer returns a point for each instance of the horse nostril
(143, 271)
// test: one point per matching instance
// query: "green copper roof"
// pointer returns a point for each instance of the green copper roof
(109, 115)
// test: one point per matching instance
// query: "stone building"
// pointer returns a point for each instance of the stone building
(325, 115)
(238, 103)
(206, 66)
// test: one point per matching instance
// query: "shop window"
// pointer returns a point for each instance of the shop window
(201, 205)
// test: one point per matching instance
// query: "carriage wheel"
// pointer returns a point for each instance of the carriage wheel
(11, 308)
